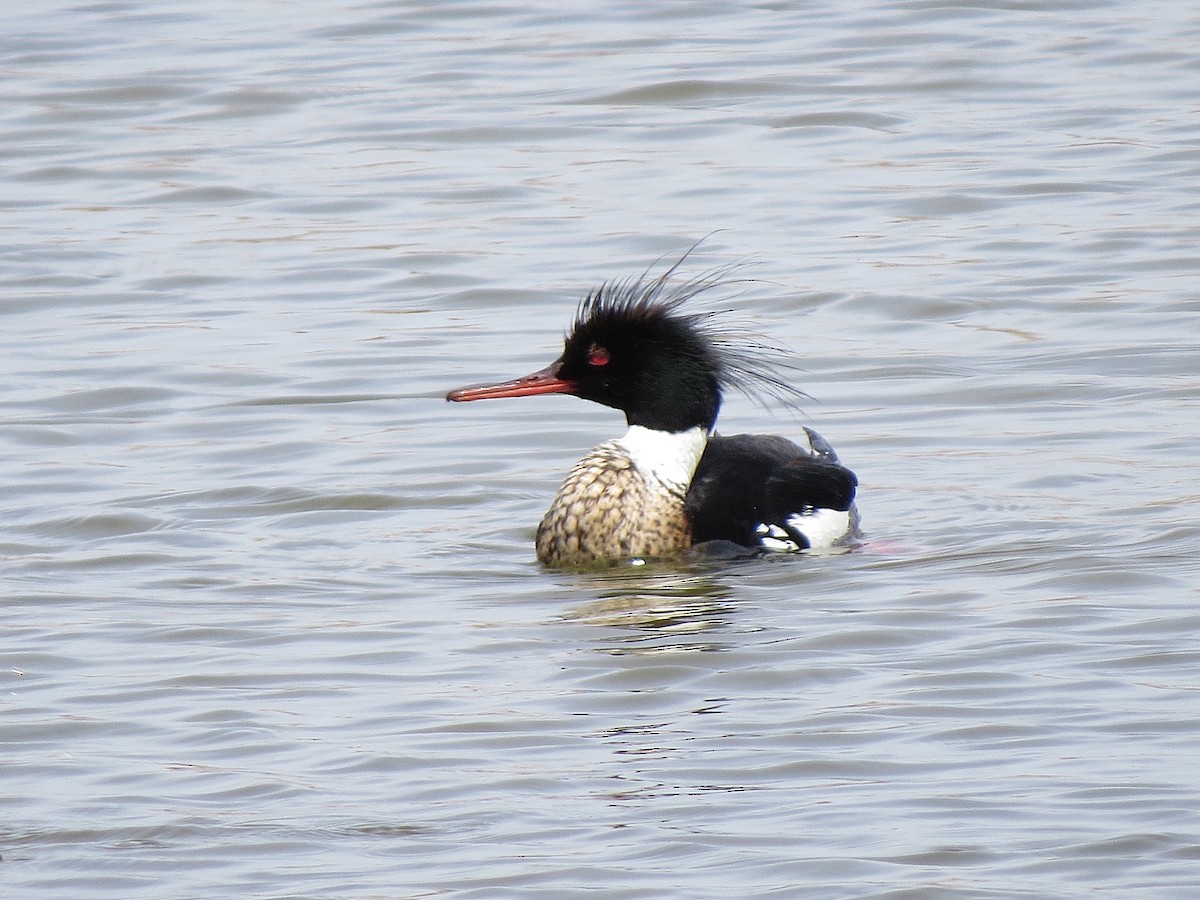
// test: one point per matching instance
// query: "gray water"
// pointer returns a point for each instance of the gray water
(271, 621)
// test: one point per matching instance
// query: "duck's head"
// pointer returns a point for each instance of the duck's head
(631, 348)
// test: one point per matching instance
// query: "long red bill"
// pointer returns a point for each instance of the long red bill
(544, 382)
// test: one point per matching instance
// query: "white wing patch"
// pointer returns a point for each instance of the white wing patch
(823, 529)
(772, 537)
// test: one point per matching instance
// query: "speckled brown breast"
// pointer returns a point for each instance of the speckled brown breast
(606, 509)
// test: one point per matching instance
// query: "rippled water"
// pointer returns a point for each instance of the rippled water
(272, 624)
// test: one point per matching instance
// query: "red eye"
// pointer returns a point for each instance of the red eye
(598, 356)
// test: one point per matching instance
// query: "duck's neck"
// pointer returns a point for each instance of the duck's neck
(670, 458)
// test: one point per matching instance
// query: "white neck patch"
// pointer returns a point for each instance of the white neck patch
(670, 459)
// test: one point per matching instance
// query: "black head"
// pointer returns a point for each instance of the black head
(632, 348)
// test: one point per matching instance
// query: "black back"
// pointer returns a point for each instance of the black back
(748, 480)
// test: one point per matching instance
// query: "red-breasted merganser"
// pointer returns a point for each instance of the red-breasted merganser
(670, 482)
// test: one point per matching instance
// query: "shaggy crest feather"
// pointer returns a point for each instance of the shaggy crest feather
(743, 359)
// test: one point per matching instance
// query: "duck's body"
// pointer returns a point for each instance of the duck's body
(669, 482)
(616, 503)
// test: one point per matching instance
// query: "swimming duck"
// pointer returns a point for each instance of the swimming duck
(670, 483)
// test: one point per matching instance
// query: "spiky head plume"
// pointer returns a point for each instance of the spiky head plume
(633, 347)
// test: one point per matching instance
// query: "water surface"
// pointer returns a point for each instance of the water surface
(272, 622)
